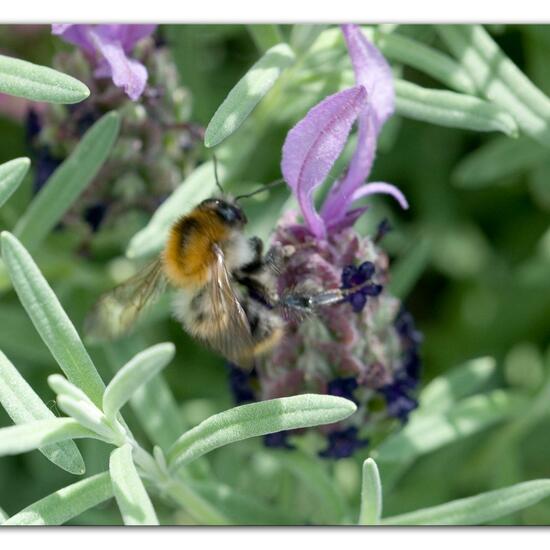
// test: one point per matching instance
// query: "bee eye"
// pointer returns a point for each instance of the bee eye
(229, 213)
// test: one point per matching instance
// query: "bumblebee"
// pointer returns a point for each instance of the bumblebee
(225, 286)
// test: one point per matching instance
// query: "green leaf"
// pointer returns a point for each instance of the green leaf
(153, 403)
(33, 435)
(23, 405)
(407, 270)
(3, 516)
(428, 60)
(300, 411)
(67, 503)
(371, 494)
(425, 433)
(302, 37)
(138, 371)
(451, 109)
(37, 83)
(480, 509)
(199, 185)
(195, 504)
(131, 496)
(444, 391)
(87, 415)
(12, 174)
(312, 473)
(265, 36)
(243, 509)
(247, 93)
(49, 318)
(498, 79)
(68, 181)
(491, 163)
(61, 386)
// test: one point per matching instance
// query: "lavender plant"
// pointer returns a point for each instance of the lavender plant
(339, 404)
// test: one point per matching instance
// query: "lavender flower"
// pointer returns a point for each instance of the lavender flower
(157, 146)
(365, 349)
(108, 47)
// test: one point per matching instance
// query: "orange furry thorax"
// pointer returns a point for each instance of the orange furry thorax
(188, 252)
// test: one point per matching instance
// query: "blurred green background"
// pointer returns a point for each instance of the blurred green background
(483, 251)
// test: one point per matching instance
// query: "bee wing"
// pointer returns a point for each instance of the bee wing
(231, 335)
(117, 310)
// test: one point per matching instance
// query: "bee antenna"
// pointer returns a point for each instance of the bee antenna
(259, 190)
(216, 173)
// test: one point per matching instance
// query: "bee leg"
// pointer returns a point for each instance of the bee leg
(310, 302)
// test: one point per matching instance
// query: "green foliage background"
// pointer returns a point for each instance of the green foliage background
(478, 228)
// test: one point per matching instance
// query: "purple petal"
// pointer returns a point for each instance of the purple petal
(380, 187)
(350, 217)
(127, 73)
(339, 197)
(373, 72)
(127, 35)
(75, 34)
(314, 144)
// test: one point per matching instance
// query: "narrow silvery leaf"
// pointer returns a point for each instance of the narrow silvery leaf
(86, 414)
(23, 405)
(425, 433)
(241, 508)
(67, 503)
(196, 505)
(136, 372)
(407, 270)
(445, 390)
(265, 36)
(480, 509)
(491, 163)
(37, 83)
(498, 79)
(49, 318)
(61, 386)
(247, 93)
(39, 433)
(274, 415)
(199, 185)
(152, 403)
(11, 175)
(132, 498)
(302, 36)
(452, 109)
(68, 181)
(313, 474)
(426, 59)
(371, 494)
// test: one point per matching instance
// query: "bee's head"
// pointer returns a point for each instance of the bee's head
(228, 212)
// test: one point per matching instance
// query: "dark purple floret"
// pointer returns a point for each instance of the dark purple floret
(33, 125)
(343, 387)
(343, 443)
(353, 276)
(405, 326)
(357, 301)
(46, 164)
(399, 403)
(358, 277)
(95, 214)
(240, 383)
(278, 440)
